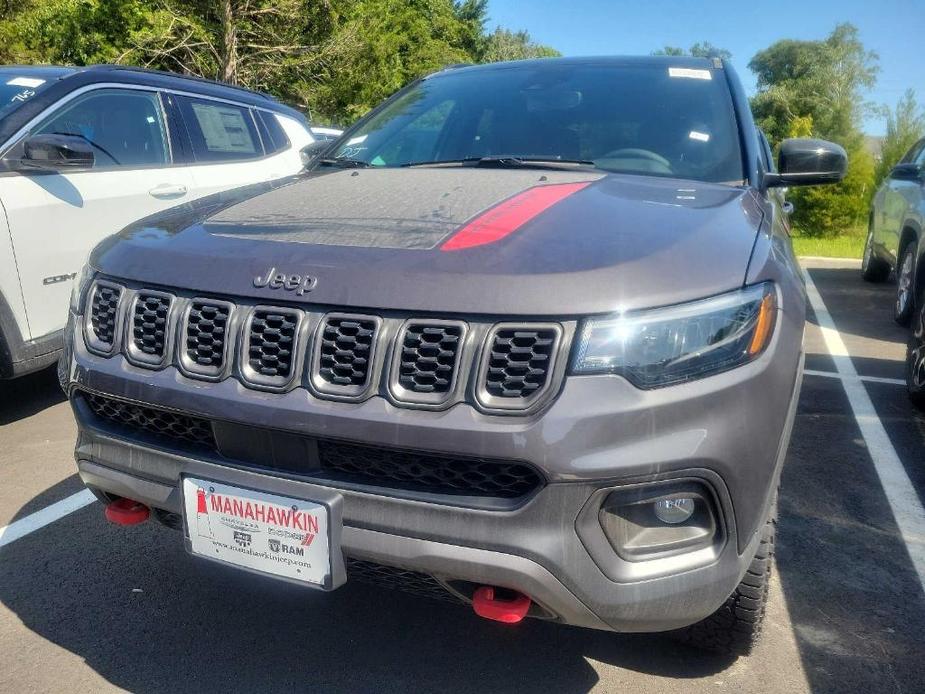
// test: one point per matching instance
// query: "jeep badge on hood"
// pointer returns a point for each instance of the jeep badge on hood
(280, 280)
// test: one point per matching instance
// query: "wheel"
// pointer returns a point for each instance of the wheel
(873, 269)
(915, 361)
(735, 627)
(905, 272)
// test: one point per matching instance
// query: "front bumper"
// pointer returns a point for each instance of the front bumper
(729, 431)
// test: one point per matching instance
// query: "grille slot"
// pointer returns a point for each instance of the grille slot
(206, 337)
(153, 420)
(104, 310)
(346, 347)
(270, 350)
(394, 577)
(519, 363)
(426, 471)
(427, 360)
(150, 313)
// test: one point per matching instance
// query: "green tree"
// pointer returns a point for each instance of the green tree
(816, 88)
(503, 44)
(701, 49)
(904, 127)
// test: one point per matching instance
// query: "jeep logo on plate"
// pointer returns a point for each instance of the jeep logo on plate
(300, 284)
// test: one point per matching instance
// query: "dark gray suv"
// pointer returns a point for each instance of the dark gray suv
(528, 336)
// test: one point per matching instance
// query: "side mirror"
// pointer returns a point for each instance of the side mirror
(57, 152)
(313, 150)
(907, 172)
(806, 161)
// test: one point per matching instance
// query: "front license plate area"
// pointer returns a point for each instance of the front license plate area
(257, 531)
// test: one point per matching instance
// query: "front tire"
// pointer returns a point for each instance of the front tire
(873, 269)
(735, 627)
(915, 361)
(905, 274)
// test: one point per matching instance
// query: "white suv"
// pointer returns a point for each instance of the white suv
(86, 151)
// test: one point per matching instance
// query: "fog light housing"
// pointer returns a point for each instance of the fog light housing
(660, 520)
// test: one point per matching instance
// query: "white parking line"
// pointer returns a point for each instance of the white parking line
(39, 519)
(900, 494)
(866, 379)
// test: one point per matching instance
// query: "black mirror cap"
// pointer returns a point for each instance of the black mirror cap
(313, 151)
(907, 172)
(57, 152)
(805, 161)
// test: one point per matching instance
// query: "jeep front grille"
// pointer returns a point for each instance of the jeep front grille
(429, 356)
(424, 362)
(519, 361)
(104, 311)
(345, 353)
(149, 326)
(271, 345)
(206, 337)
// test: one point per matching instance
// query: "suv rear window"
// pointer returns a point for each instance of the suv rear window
(651, 119)
(274, 137)
(220, 131)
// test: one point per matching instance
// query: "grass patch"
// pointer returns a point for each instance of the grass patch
(850, 245)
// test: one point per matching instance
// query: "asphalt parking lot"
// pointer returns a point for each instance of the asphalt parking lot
(86, 606)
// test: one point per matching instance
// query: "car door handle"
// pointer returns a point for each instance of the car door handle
(167, 191)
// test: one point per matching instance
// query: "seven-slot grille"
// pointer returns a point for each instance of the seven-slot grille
(271, 340)
(345, 351)
(520, 361)
(429, 355)
(516, 369)
(149, 325)
(206, 336)
(104, 306)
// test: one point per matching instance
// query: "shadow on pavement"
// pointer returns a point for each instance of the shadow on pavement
(28, 395)
(195, 626)
(852, 592)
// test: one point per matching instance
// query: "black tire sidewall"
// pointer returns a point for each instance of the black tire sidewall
(905, 316)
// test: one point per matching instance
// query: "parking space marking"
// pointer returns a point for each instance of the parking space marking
(49, 514)
(866, 379)
(900, 494)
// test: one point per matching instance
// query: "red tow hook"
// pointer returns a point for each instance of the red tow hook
(488, 606)
(127, 512)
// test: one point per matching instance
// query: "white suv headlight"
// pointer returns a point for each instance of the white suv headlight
(665, 346)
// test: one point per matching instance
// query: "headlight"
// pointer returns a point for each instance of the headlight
(680, 343)
(81, 281)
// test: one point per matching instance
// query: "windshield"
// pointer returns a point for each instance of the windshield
(17, 86)
(655, 120)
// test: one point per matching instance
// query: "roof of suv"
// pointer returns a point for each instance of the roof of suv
(157, 78)
(681, 61)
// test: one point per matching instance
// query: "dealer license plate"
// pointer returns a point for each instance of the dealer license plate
(272, 534)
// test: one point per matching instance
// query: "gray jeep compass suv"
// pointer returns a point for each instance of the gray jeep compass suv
(527, 336)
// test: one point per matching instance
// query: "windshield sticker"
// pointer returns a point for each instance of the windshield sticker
(30, 82)
(699, 136)
(24, 95)
(690, 73)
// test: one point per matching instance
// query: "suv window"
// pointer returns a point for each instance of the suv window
(274, 137)
(915, 153)
(220, 131)
(124, 127)
(653, 120)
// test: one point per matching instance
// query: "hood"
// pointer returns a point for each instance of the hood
(451, 240)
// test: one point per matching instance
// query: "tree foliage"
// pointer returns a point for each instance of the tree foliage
(701, 49)
(816, 88)
(904, 127)
(334, 58)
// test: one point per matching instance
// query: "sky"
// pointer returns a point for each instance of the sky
(895, 29)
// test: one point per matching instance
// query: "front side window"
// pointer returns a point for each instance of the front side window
(124, 127)
(220, 131)
(642, 119)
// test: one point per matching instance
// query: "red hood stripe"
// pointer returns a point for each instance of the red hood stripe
(507, 217)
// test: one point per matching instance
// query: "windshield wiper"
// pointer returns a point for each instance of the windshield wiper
(502, 161)
(344, 162)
